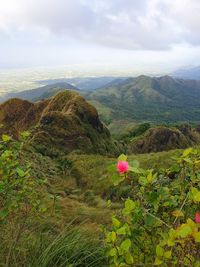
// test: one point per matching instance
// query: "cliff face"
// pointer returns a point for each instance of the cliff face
(66, 122)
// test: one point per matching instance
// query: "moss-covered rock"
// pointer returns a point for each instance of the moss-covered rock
(69, 123)
(66, 122)
(163, 138)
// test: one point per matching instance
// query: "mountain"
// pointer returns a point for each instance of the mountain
(50, 87)
(40, 92)
(192, 73)
(84, 83)
(64, 123)
(155, 99)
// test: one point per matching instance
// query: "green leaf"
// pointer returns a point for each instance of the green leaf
(187, 151)
(151, 177)
(188, 160)
(197, 237)
(125, 245)
(116, 223)
(25, 134)
(113, 252)
(122, 157)
(129, 258)
(158, 261)
(117, 179)
(121, 231)
(20, 172)
(129, 206)
(168, 254)
(195, 194)
(175, 168)
(111, 168)
(42, 209)
(6, 138)
(134, 169)
(142, 180)
(159, 251)
(113, 236)
(184, 230)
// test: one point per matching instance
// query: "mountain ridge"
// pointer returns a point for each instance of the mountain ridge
(142, 98)
(155, 99)
(40, 92)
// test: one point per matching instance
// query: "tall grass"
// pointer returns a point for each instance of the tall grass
(73, 247)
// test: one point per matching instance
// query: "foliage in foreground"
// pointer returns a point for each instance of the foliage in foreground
(158, 225)
(28, 236)
(20, 200)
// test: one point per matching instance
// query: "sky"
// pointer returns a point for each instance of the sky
(150, 36)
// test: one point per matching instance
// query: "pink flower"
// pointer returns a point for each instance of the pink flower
(122, 166)
(197, 217)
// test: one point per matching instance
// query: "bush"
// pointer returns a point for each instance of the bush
(159, 223)
(20, 199)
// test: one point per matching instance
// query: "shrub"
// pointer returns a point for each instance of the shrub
(19, 199)
(158, 224)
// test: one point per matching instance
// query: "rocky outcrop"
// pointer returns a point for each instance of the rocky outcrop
(163, 138)
(66, 122)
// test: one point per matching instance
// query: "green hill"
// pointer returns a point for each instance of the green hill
(155, 99)
(39, 93)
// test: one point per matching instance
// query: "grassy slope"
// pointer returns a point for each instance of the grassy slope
(81, 188)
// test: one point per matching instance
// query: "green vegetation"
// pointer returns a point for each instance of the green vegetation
(58, 184)
(70, 123)
(72, 204)
(156, 100)
(104, 112)
(65, 123)
(159, 224)
(35, 215)
(72, 247)
(20, 199)
(162, 138)
(121, 128)
(138, 130)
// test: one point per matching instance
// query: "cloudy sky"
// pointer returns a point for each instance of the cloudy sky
(138, 35)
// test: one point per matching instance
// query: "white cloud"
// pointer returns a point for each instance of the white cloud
(60, 30)
(129, 24)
